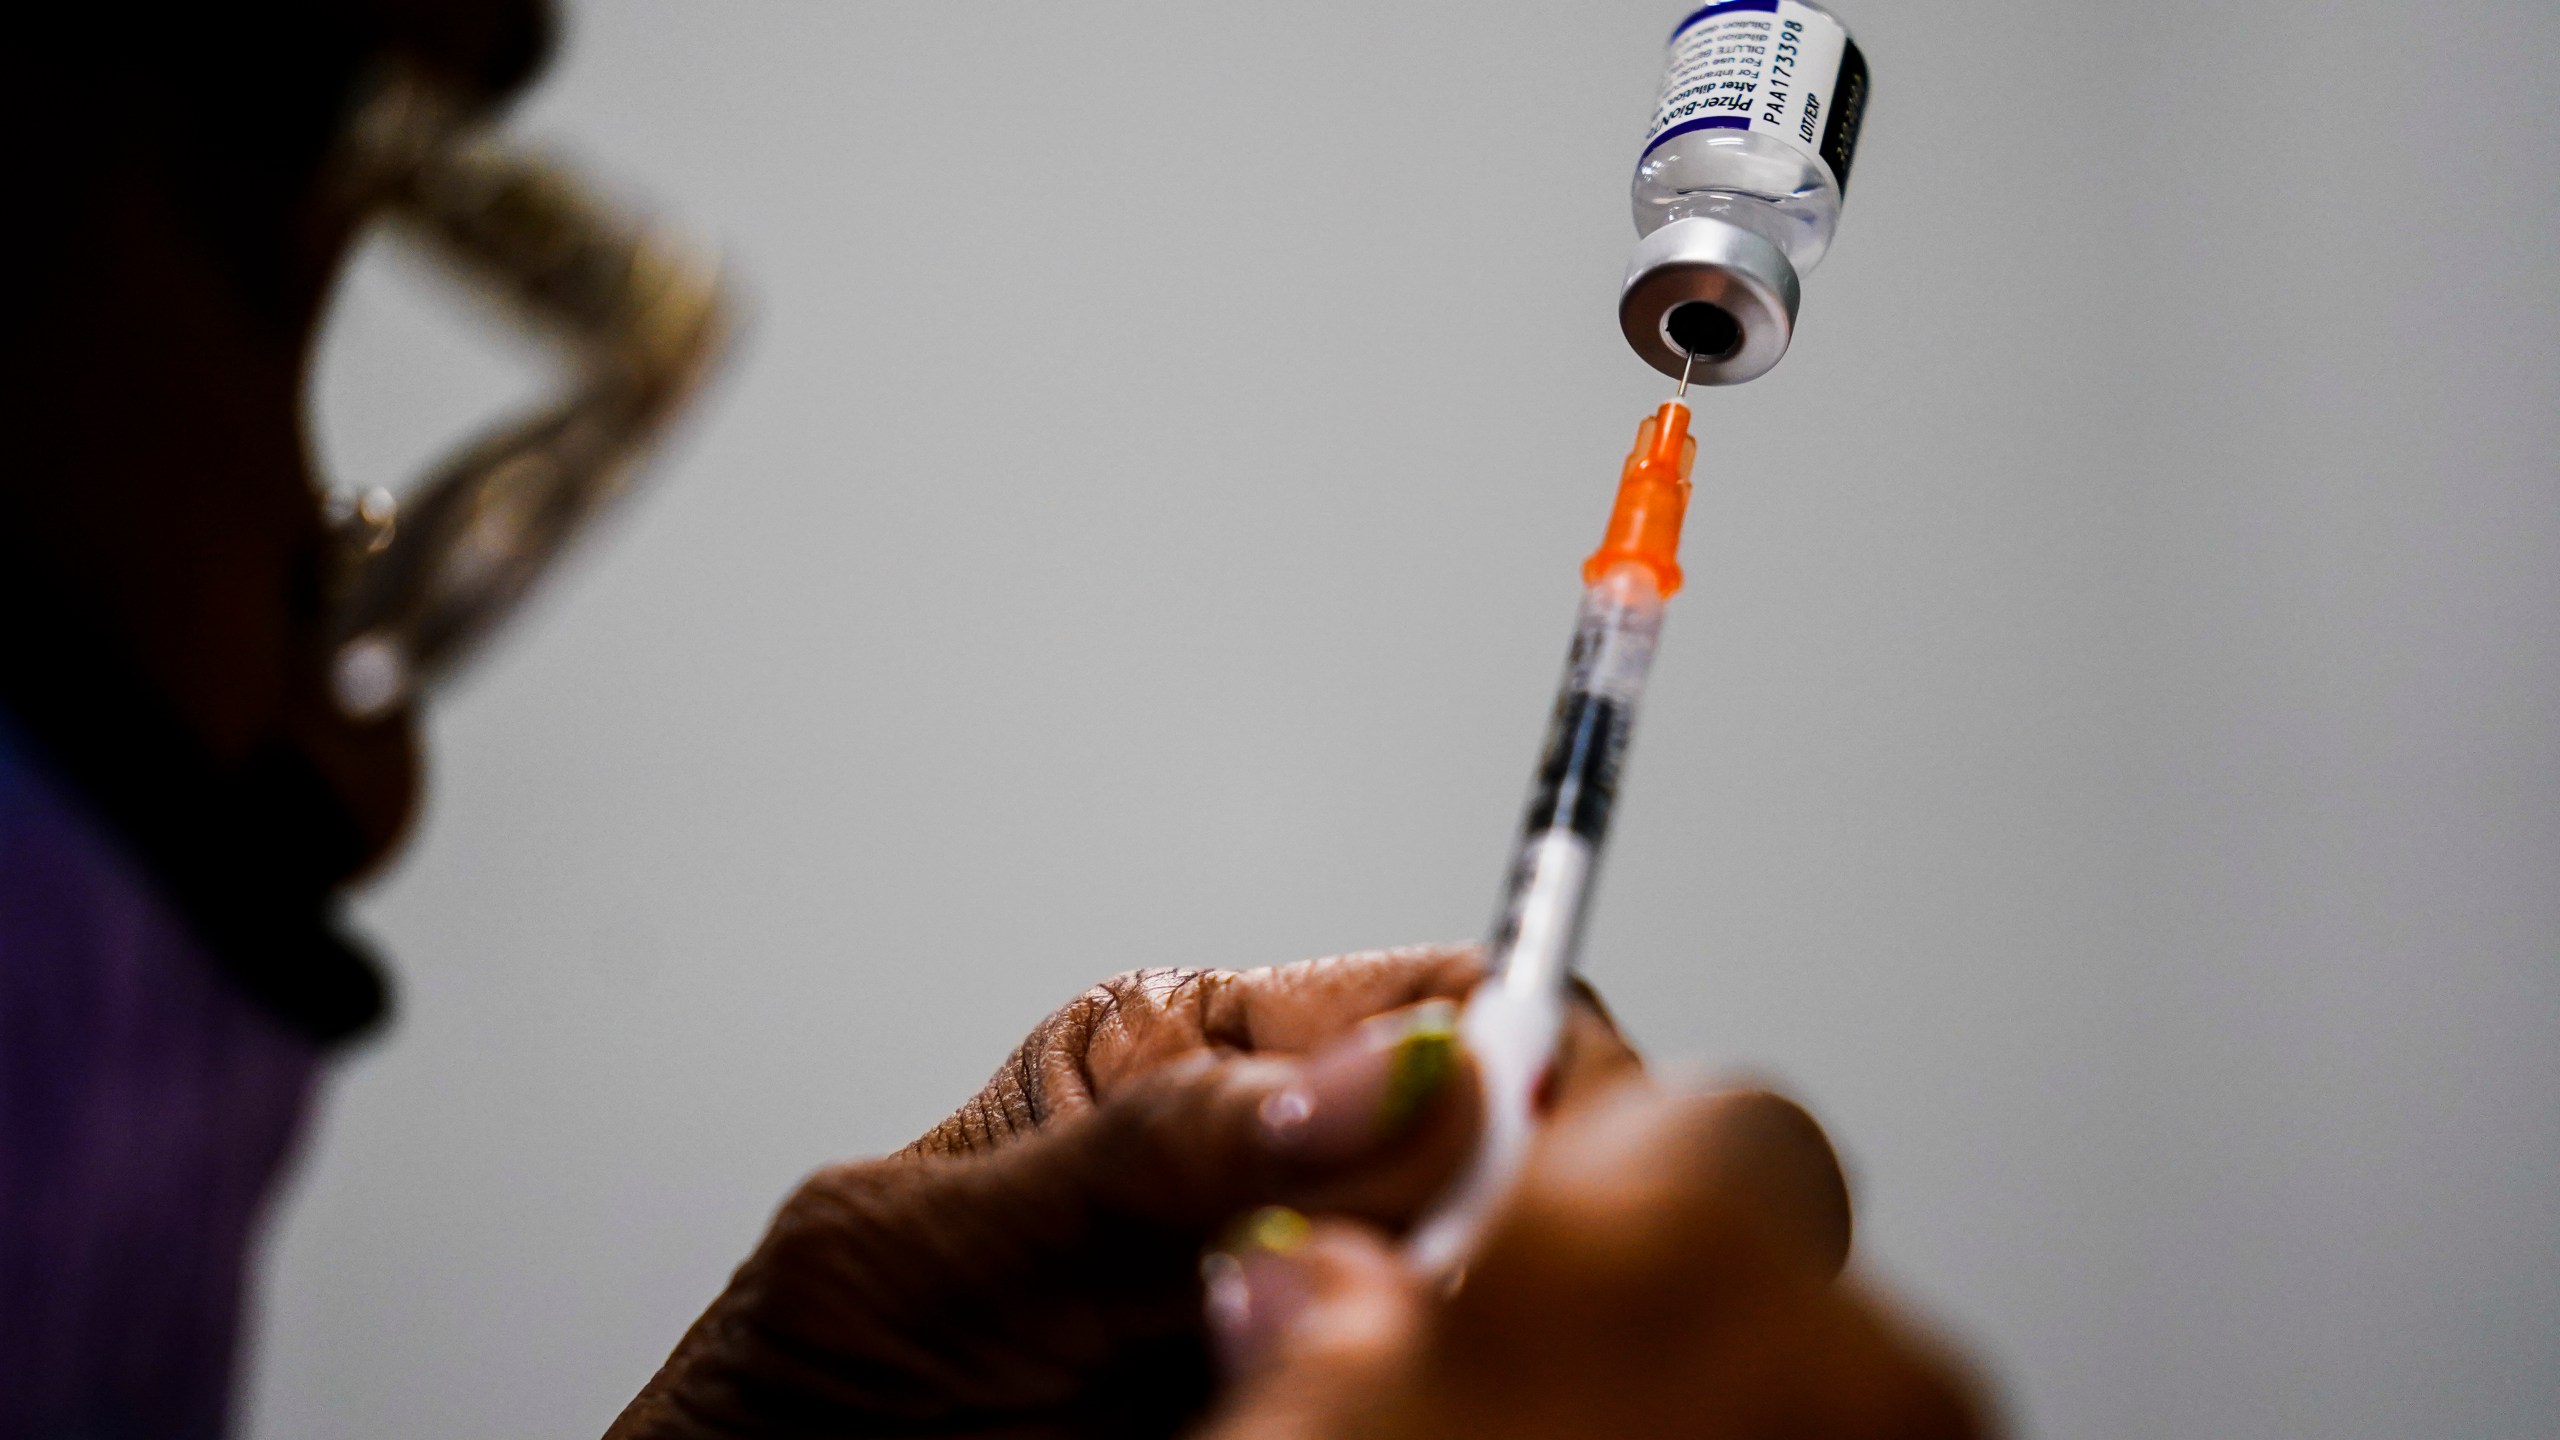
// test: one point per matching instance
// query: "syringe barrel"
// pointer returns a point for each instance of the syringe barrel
(1577, 777)
(1514, 1019)
(1516, 1016)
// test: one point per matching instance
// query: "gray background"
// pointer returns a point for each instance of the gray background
(2105, 761)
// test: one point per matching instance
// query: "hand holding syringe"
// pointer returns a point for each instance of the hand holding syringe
(1515, 1017)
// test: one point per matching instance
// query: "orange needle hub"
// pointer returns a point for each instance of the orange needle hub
(1653, 496)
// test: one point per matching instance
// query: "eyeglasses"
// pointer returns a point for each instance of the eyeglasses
(420, 583)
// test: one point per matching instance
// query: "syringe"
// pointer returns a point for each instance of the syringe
(1514, 1019)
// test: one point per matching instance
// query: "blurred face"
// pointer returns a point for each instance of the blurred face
(161, 514)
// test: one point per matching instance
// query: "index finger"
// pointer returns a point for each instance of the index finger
(1296, 1008)
(1291, 1009)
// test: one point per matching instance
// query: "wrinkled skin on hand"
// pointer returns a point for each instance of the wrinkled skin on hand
(1668, 1267)
(1031, 1266)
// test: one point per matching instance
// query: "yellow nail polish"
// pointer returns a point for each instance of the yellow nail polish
(1274, 1228)
(1424, 1058)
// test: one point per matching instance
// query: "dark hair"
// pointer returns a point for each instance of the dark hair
(239, 100)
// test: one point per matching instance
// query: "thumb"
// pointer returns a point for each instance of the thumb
(1316, 1323)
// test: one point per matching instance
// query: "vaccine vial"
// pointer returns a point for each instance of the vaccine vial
(1738, 187)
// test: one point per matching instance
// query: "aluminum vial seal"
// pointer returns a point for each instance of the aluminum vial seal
(1711, 289)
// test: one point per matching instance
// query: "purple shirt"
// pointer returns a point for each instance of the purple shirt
(146, 1109)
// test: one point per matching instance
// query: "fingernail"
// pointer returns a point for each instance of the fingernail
(1366, 1089)
(1255, 1289)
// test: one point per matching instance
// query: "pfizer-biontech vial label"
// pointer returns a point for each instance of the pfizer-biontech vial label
(1772, 67)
